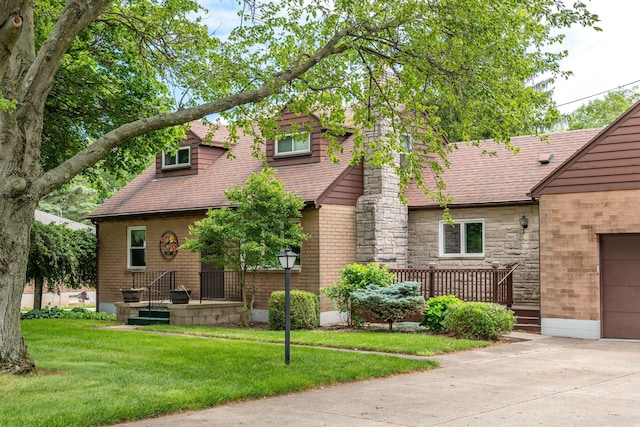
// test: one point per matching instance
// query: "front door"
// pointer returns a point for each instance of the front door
(211, 282)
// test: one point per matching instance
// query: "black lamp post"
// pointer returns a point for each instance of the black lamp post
(287, 260)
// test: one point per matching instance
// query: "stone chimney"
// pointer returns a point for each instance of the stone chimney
(381, 218)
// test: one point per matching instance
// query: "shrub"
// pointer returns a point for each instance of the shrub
(392, 303)
(479, 321)
(435, 310)
(304, 310)
(353, 277)
(74, 313)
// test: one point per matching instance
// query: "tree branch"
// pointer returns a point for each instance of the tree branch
(86, 158)
(75, 17)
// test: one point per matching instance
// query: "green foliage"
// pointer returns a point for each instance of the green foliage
(105, 79)
(435, 311)
(60, 255)
(304, 310)
(75, 200)
(249, 236)
(352, 277)
(601, 112)
(391, 303)
(74, 313)
(479, 321)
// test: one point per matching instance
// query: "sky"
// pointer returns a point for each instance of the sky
(603, 60)
(600, 61)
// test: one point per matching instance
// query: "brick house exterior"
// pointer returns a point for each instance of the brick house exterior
(352, 214)
(590, 237)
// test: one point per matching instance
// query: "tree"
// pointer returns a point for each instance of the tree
(59, 256)
(74, 201)
(390, 60)
(248, 236)
(601, 112)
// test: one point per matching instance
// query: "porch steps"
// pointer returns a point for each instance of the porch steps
(152, 316)
(527, 318)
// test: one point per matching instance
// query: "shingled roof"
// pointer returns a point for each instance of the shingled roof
(148, 195)
(477, 179)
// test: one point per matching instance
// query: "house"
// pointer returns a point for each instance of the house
(353, 214)
(590, 237)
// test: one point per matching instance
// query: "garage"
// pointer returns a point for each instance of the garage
(620, 279)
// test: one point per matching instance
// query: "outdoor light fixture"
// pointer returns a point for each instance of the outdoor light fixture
(524, 223)
(287, 260)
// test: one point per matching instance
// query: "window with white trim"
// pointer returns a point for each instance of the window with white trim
(136, 247)
(462, 238)
(178, 159)
(295, 143)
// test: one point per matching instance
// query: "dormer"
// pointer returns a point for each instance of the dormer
(193, 156)
(301, 141)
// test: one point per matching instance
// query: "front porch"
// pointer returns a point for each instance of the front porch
(194, 313)
(218, 299)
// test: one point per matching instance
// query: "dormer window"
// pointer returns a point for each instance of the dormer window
(296, 143)
(178, 159)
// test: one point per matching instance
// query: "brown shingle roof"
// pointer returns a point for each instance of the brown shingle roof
(147, 195)
(477, 179)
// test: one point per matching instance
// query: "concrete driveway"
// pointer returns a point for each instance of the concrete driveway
(543, 381)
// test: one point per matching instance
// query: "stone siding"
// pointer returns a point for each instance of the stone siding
(569, 248)
(504, 242)
(381, 218)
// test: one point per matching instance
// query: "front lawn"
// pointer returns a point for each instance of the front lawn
(407, 343)
(93, 376)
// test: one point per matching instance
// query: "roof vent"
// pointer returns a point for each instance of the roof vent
(545, 159)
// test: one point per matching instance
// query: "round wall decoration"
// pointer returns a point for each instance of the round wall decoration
(169, 244)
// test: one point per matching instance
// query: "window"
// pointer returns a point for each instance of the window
(179, 159)
(297, 143)
(137, 247)
(462, 238)
(405, 142)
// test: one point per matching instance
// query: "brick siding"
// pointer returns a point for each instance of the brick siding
(569, 252)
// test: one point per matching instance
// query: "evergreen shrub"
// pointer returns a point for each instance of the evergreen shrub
(392, 303)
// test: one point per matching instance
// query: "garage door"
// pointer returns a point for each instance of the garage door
(620, 269)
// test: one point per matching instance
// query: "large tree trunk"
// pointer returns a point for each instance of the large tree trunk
(38, 284)
(15, 224)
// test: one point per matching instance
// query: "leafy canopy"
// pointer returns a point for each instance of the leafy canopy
(62, 256)
(601, 112)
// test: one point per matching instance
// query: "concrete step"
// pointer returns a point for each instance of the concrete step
(139, 320)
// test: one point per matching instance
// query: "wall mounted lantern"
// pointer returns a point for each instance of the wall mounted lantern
(524, 223)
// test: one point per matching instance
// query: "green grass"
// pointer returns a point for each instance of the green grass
(94, 376)
(406, 343)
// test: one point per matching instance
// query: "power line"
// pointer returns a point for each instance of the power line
(599, 93)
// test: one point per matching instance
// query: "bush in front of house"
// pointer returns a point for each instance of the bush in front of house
(479, 321)
(390, 304)
(435, 311)
(74, 313)
(353, 277)
(304, 310)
